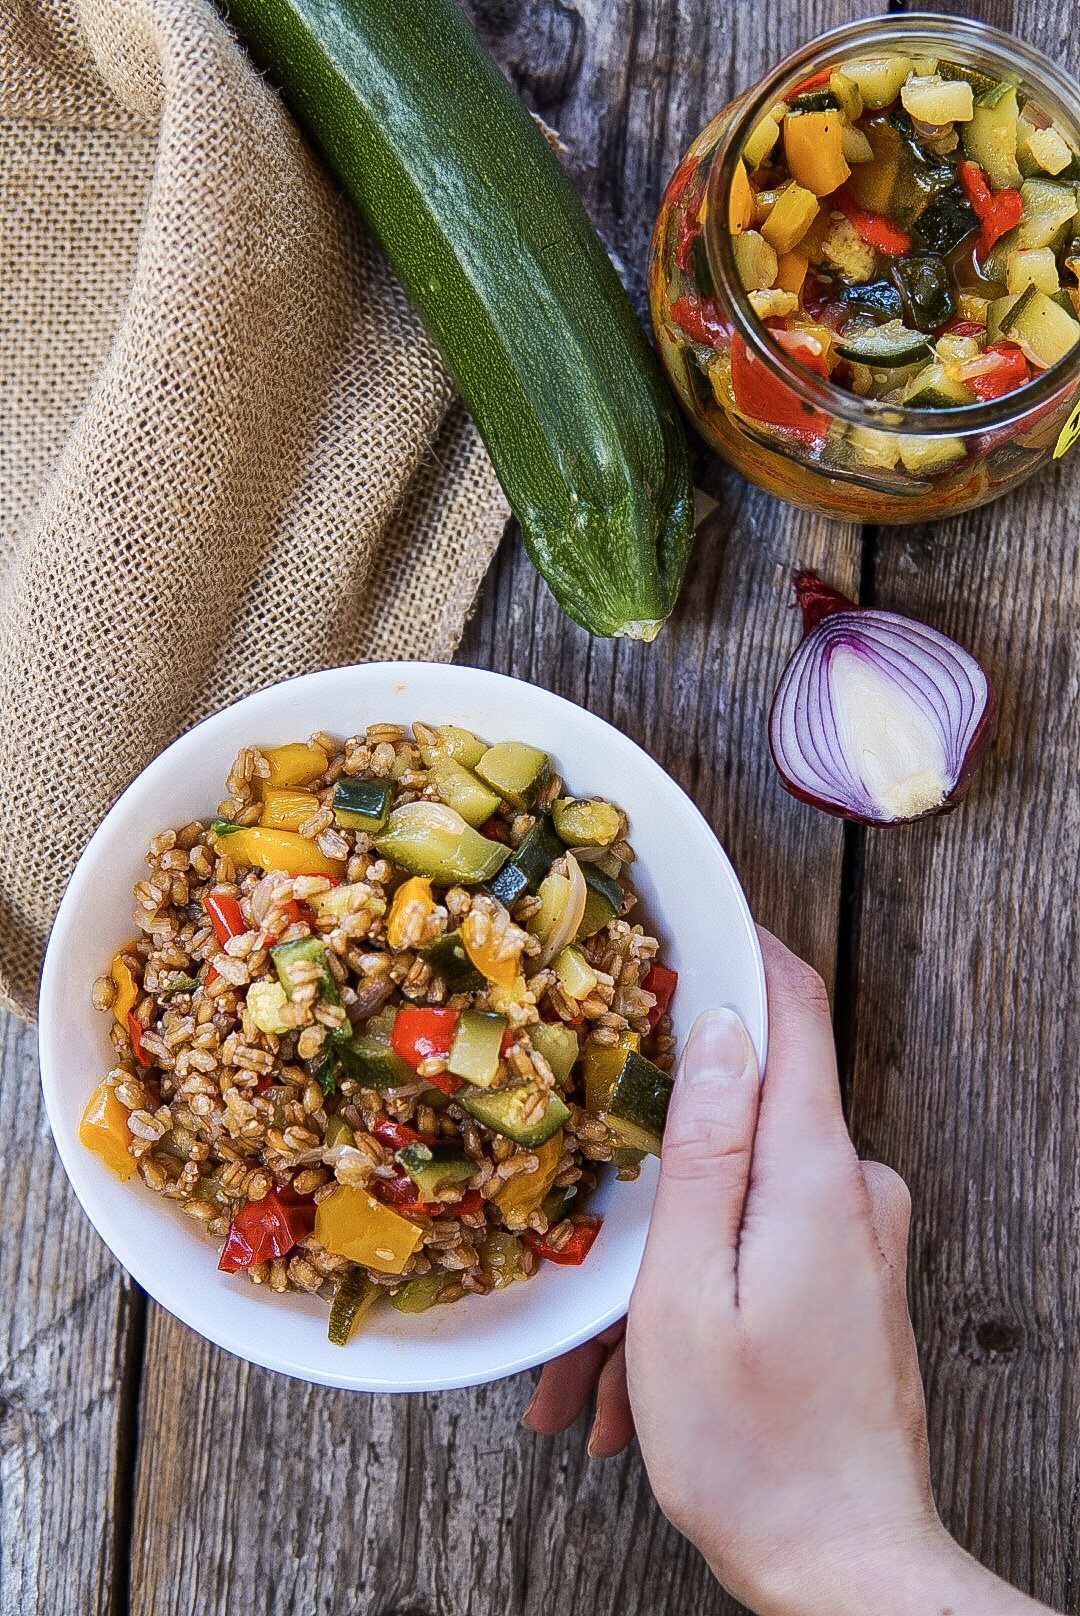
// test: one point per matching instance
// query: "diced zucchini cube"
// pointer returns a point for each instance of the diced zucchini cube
(576, 976)
(461, 789)
(362, 804)
(428, 838)
(458, 744)
(476, 1047)
(516, 771)
(559, 1046)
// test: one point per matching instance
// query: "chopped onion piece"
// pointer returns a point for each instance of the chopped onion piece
(566, 926)
(877, 717)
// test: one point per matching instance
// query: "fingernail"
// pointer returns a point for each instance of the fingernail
(719, 1046)
(528, 1410)
(594, 1437)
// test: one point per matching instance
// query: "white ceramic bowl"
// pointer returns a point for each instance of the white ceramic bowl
(690, 897)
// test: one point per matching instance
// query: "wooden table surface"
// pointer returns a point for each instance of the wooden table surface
(142, 1470)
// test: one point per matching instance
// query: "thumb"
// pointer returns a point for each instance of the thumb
(708, 1143)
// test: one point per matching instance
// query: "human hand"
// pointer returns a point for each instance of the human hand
(801, 1153)
(772, 1368)
(791, 1446)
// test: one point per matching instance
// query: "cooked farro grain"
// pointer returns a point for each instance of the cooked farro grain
(341, 1052)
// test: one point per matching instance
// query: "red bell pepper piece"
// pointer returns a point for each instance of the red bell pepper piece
(400, 1193)
(703, 320)
(661, 983)
(423, 1032)
(298, 912)
(962, 328)
(1010, 372)
(976, 186)
(445, 1081)
(764, 397)
(549, 1015)
(679, 181)
(135, 1031)
(877, 231)
(267, 1228)
(686, 207)
(494, 829)
(225, 914)
(576, 1249)
(227, 917)
(396, 1135)
(814, 82)
(996, 211)
(689, 231)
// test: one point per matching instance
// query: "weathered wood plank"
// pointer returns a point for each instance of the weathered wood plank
(967, 1022)
(253, 1492)
(65, 1371)
(967, 1028)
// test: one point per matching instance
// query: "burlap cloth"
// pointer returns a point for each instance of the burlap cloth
(228, 452)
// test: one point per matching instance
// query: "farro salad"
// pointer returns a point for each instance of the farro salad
(386, 1019)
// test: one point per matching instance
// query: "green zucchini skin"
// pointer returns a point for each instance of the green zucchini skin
(493, 245)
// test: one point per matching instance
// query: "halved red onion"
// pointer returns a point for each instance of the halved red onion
(877, 717)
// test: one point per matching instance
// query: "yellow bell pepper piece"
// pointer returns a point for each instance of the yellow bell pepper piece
(791, 271)
(503, 972)
(127, 987)
(266, 1003)
(740, 201)
(603, 1063)
(104, 1130)
(790, 218)
(351, 1223)
(521, 1195)
(762, 139)
(284, 809)
(504, 996)
(296, 764)
(814, 150)
(417, 889)
(278, 850)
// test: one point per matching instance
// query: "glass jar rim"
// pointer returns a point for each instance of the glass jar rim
(976, 39)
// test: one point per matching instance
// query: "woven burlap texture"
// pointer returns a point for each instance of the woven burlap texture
(228, 452)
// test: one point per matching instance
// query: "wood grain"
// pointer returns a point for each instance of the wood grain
(967, 1019)
(443, 1505)
(254, 1494)
(69, 1327)
(967, 1032)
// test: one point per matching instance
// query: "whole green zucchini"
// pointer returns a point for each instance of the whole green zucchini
(493, 245)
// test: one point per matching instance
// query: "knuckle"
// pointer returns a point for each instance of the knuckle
(717, 1145)
(808, 987)
(889, 1193)
(830, 1179)
(791, 975)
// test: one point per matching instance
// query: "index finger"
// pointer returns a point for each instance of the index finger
(801, 1113)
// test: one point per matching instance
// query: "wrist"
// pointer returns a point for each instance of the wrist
(922, 1572)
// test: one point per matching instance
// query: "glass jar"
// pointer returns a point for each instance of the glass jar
(789, 429)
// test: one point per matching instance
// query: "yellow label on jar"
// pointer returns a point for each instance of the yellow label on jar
(1068, 434)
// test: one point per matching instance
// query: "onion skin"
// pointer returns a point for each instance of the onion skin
(818, 601)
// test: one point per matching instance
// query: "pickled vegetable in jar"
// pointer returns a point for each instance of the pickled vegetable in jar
(865, 281)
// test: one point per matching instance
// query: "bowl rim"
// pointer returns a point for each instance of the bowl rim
(50, 1001)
